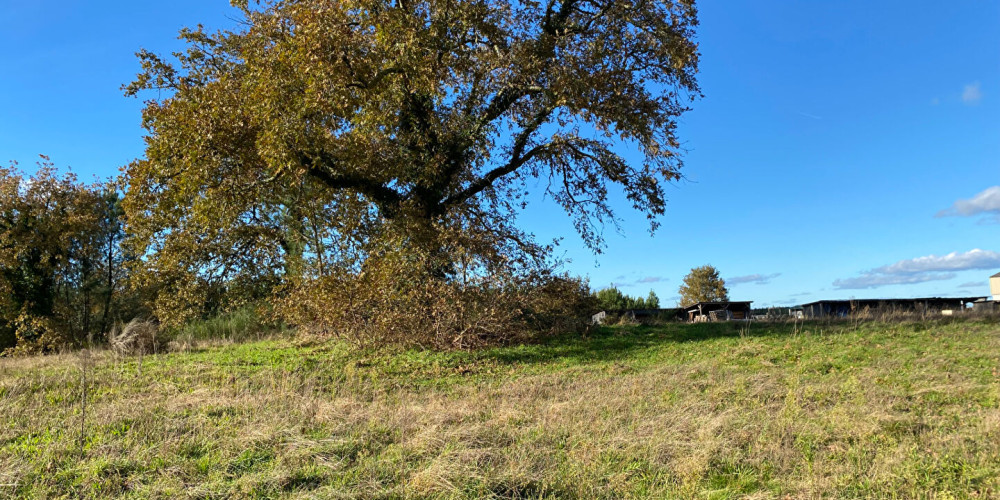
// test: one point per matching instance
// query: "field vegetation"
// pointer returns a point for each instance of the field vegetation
(813, 410)
(313, 283)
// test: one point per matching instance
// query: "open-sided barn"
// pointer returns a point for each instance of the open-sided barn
(844, 308)
(718, 311)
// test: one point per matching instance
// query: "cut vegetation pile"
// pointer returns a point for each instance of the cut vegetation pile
(685, 411)
(136, 337)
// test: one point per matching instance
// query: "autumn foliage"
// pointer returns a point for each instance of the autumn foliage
(358, 166)
(368, 158)
(61, 267)
(703, 284)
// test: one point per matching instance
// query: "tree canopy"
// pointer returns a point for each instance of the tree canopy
(322, 135)
(703, 284)
(60, 260)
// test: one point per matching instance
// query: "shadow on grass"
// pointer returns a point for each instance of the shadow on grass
(622, 342)
(619, 342)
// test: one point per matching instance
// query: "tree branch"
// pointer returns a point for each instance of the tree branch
(517, 159)
(504, 100)
(553, 25)
(387, 199)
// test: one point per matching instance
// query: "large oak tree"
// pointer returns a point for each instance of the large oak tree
(321, 126)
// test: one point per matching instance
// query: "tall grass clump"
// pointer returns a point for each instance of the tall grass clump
(240, 325)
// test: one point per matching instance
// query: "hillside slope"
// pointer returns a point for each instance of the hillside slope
(680, 411)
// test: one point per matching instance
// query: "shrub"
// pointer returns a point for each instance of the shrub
(390, 305)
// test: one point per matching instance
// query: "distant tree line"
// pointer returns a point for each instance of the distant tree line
(612, 299)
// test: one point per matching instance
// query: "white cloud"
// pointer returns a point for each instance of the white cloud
(878, 280)
(972, 94)
(651, 279)
(760, 279)
(986, 202)
(973, 284)
(955, 261)
(922, 269)
(619, 281)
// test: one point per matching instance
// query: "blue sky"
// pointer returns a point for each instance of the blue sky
(843, 149)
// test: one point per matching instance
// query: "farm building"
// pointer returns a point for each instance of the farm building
(984, 305)
(718, 311)
(639, 315)
(773, 313)
(989, 304)
(844, 308)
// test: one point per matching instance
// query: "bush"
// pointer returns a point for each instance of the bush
(8, 338)
(391, 305)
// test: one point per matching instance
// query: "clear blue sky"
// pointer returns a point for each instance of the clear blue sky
(838, 153)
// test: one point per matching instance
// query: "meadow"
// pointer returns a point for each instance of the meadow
(813, 410)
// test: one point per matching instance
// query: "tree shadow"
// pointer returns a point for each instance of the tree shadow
(620, 342)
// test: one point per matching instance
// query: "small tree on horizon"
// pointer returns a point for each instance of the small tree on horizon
(652, 301)
(703, 284)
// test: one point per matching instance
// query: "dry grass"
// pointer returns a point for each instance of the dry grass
(679, 411)
(136, 337)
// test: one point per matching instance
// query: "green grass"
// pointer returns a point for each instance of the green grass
(681, 411)
(239, 325)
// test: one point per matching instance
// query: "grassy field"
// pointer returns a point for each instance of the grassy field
(681, 411)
